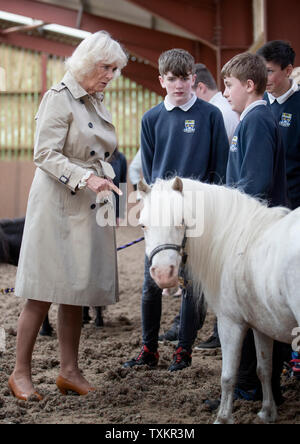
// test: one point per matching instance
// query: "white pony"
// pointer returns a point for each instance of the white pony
(247, 263)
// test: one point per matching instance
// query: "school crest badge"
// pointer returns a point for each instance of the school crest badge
(286, 120)
(189, 126)
(233, 146)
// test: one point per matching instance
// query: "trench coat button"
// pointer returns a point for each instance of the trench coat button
(93, 206)
(91, 125)
(73, 193)
(63, 83)
(81, 101)
(106, 154)
(92, 153)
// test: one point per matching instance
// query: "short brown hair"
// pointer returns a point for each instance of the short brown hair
(177, 61)
(247, 66)
(205, 76)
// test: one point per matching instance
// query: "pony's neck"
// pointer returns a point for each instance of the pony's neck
(233, 223)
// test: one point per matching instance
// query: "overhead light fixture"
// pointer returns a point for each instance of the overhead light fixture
(58, 29)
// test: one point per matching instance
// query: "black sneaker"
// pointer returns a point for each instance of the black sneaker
(212, 342)
(170, 335)
(246, 395)
(46, 329)
(146, 357)
(181, 359)
(86, 315)
(212, 404)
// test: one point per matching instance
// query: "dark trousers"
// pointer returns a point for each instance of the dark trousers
(247, 377)
(151, 314)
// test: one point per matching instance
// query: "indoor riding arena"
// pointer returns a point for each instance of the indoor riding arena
(35, 39)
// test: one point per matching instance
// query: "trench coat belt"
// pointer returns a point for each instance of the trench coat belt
(102, 168)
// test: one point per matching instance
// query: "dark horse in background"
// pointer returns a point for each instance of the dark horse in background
(11, 233)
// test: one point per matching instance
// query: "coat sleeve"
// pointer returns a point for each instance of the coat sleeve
(53, 119)
(256, 174)
(147, 150)
(219, 149)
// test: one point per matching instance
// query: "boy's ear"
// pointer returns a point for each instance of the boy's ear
(194, 80)
(162, 81)
(200, 89)
(289, 70)
(250, 85)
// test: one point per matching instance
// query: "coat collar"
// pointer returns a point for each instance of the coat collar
(73, 86)
(76, 89)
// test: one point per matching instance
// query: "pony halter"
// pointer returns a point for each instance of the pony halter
(179, 248)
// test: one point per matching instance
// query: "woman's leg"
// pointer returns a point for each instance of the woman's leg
(69, 331)
(29, 324)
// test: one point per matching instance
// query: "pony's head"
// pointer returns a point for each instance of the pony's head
(162, 221)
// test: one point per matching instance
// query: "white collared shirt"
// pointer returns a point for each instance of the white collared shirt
(185, 107)
(294, 88)
(251, 106)
(231, 118)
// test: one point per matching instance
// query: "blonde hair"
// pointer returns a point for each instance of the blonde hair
(97, 47)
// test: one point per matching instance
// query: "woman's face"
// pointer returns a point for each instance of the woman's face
(99, 78)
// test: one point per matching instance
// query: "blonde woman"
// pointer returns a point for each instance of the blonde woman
(66, 257)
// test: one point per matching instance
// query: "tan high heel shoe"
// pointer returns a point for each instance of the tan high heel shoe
(64, 385)
(19, 394)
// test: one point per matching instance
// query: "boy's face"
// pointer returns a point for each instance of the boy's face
(179, 89)
(236, 93)
(278, 79)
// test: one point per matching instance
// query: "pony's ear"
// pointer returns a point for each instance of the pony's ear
(177, 185)
(143, 187)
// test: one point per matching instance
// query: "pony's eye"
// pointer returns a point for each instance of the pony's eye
(143, 227)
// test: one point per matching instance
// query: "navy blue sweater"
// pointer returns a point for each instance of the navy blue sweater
(288, 117)
(190, 144)
(256, 162)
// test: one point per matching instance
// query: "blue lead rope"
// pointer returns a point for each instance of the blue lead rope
(140, 239)
(7, 290)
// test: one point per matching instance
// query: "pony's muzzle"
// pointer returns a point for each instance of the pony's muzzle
(165, 276)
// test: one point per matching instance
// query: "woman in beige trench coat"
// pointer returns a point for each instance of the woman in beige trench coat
(66, 256)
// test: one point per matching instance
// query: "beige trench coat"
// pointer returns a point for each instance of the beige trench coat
(66, 257)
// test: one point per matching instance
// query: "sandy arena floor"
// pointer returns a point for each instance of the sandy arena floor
(135, 396)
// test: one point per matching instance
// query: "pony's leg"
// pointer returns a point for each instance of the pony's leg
(264, 351)
(231, 338)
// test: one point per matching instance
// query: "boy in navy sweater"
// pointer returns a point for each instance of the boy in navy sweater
(256, 160)
(182, 136)
(256, 164)
(283, 96)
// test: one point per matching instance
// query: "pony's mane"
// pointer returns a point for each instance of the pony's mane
(233, 223)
